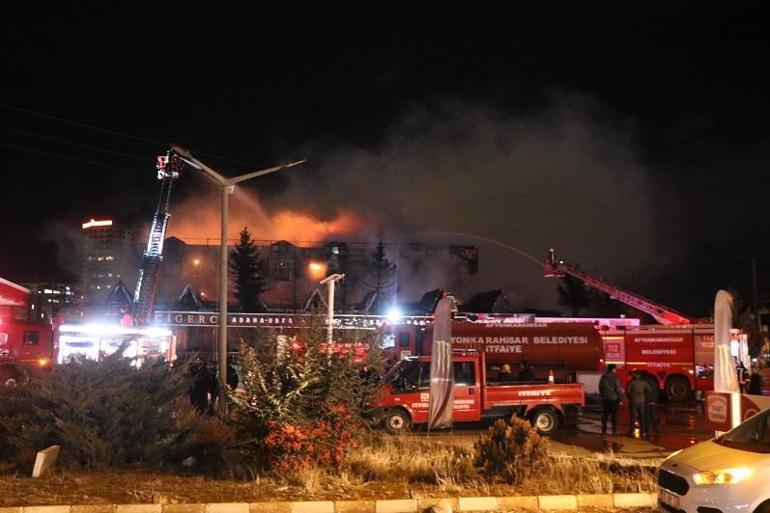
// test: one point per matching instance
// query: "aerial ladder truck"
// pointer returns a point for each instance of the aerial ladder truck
(677, 356)
(664, 315)
(169, 167)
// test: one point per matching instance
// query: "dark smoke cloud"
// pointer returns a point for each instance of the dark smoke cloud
(69, 248)
(568, 175)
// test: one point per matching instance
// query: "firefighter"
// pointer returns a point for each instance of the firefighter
(610, 391)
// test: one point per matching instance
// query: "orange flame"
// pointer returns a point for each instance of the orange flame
(197, 221)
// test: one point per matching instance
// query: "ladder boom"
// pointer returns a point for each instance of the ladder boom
(168, 167)
(558, 269)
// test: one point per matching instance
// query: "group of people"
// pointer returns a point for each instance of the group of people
(642, 400)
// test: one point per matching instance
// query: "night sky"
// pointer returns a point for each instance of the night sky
(633, 137)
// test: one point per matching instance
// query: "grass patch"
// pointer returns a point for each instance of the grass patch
(382, 467)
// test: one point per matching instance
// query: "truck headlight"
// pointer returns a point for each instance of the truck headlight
(725, 476)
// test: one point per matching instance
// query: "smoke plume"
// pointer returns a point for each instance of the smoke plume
(567, 175)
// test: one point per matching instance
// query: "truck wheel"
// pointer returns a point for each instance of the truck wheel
(397, 421)
(545, 420)
(11, 378)
(678, 389)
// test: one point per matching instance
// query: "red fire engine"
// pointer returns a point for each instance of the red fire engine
(677, 356)
(479, 393)
(21, 343)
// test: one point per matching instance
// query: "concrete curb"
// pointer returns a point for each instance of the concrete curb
(529, 503)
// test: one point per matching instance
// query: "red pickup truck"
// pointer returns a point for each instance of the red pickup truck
(478, 394)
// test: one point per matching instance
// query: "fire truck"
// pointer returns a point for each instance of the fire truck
(677, 359)
(22, 343)
(25, 343)
(676, 356)
(560, 350)
(479, 393)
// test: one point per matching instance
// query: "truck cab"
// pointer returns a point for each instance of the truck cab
(24, 344)
(406, 395)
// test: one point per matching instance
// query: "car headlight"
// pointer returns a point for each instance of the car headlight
(726, 476)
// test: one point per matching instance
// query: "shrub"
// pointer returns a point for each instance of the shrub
(102, 414)
(299, 404)
(323, 443)
(512, 451)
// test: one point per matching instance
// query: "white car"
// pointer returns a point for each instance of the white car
(729, 474)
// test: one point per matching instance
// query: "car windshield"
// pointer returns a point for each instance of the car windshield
(753, 435)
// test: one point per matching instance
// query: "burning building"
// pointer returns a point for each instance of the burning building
(292, 272)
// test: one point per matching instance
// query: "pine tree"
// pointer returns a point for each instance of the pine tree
(247, 272)
(381, 278)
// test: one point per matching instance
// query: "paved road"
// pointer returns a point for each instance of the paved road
(680, 425)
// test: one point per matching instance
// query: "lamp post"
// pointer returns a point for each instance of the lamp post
(330, 281)
(227, 186)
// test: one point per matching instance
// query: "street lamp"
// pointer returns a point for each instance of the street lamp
(316, 269)
(227, 186)
(330, 281)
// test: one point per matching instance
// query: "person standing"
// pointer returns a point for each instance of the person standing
(743, 375)
(199, 385)
(755, 381)
(638, 390)
(610, 392)
(651, 402)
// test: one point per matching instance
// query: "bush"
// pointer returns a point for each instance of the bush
(301, 405)
(323, 443)
(102, 414)
(512, 451)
